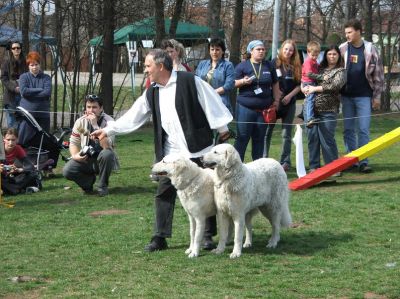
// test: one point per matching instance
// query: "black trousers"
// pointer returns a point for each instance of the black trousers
(164, 208)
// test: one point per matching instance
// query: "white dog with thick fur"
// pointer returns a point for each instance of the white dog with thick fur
(195, 188)
(239, 188)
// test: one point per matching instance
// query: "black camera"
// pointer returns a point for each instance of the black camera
(88, 150)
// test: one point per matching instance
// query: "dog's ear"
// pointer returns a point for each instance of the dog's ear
(230, 157)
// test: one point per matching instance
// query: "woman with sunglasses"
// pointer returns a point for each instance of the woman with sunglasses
(11, 69)
(35, 88)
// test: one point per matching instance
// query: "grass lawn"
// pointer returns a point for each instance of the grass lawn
(345, 242)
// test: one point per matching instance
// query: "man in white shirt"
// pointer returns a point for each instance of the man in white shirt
(183, 122)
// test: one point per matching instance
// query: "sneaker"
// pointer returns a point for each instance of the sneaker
(156, 244)
(286, 166)
(336, 175)
(102, 191)
(31, 190)
(208, 243)
(364, 168)
(49, 173)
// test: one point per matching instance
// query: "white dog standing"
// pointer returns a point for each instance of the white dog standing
(239, 188)
(195, 188)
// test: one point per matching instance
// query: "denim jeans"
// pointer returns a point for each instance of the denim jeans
(250, 124)
(10, 113)
(309, 102)
(287, 129)
(357, 119)
(321, 138)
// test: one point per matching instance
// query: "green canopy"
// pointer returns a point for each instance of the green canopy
(145, 30)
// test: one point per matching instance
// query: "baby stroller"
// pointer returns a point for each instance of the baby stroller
(43, 148)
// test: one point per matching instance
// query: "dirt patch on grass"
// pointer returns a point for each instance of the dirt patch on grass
(109, 212)
(370, 295)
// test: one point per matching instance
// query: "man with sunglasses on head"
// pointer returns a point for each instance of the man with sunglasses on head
(91, 157)
(185, 109)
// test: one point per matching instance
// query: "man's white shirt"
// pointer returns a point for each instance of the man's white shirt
(217, 114)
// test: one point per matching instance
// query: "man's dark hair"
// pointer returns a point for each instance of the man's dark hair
(93, 98)
(356, 24)
(217, 42)
(160, 56)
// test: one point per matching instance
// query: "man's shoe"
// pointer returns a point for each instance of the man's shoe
(364, 168)
(286, 166)
(156, 244)
(102, 191)
(89, 191)
(208, 243)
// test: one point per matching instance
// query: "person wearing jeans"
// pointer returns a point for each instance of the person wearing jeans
(363, 88)
(321, 136)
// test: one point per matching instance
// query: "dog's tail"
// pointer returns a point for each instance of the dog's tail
(286, 218)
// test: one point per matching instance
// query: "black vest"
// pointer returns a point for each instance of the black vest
(196, 128)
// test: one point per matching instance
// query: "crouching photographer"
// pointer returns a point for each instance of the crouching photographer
(18, 174)
(91, 157)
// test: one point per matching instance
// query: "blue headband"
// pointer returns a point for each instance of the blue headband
(253, 44)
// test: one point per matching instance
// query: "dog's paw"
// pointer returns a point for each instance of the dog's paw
(247, 245)
(235, 254)
(218, 250)
(272, 244)
(188, 251)
(193, 254)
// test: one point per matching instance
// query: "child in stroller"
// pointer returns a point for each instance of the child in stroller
(18, 173)
(42, 147)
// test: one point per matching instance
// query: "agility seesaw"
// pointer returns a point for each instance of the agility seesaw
(346, 161)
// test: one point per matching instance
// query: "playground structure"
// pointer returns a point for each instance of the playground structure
(348, 160)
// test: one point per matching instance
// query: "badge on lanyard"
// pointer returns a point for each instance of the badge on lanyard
(258, 90)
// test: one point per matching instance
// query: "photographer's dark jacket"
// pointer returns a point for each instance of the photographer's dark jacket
(184, 111)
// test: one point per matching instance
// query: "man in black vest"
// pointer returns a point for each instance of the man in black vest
(185, 110)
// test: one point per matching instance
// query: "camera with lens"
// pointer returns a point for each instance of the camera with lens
(7, 167)
(89, 150)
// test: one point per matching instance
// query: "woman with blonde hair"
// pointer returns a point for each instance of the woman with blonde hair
(288, 69)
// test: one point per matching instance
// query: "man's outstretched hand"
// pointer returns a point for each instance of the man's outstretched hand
(99, 134)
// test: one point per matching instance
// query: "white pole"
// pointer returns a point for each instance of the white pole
(275, 33)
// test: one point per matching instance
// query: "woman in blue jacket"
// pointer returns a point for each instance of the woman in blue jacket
(35, 88)
(218, 72)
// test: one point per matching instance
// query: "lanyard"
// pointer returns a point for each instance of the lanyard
(257, 74)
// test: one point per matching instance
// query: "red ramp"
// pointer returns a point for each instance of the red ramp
(322, 173)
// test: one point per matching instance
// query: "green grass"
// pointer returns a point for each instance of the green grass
(345, 237)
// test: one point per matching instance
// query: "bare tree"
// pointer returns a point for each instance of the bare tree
(213, 17)
(160, 21)
(237, 29)
(175, 17)
(107, 56)
(26, 8)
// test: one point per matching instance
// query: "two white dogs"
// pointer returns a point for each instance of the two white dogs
(234, 190)
(239, 188)
(195, 188)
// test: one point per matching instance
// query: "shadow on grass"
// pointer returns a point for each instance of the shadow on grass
(299, 243)
(356, 181)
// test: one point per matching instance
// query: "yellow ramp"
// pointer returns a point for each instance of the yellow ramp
(376, 145)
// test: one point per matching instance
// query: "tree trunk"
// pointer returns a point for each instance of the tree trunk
(106, 84)
(25, 26)
(292, 18)
(175, 18)
(237, 29)
(367, 15)
(213, 17)
(308, 21)
(160, 21)
(285, 19)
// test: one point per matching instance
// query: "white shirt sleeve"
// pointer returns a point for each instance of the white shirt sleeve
(217, 114)
(132, 120)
